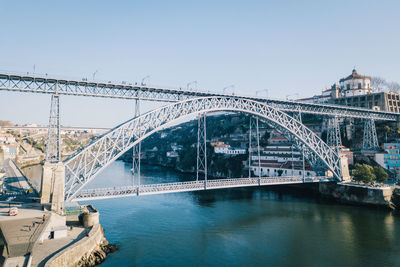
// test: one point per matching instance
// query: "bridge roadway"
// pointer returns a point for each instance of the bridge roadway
(49, 85)
(163, 188)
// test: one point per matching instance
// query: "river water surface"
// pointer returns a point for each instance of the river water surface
(240, 227)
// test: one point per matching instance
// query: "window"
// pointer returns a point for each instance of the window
(348, 86)
(359, 85)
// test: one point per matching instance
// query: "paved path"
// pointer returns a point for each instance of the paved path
(16, 182)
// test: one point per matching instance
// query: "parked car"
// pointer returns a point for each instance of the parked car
(13, 211)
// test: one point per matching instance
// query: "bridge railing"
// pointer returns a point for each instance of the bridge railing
(146, 189)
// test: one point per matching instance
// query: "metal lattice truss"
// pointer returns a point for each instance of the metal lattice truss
(201, 158)
(53, 145)
(254, 135)
(315, 161)
(46, 85)
(136, 151)
(152, 189)
(333, 137)
(89, 161)
(370, 139)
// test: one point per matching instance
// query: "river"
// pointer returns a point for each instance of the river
(270, 226)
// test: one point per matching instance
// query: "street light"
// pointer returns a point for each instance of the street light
(230, 86)
(148, 76)
(188, 84)
(287, 96)
(94, 74)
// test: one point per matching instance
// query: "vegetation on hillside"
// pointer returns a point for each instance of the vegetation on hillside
(368, 174)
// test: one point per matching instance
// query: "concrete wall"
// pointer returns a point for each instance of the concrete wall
(90, 216)
(357, 194)
(73, 254)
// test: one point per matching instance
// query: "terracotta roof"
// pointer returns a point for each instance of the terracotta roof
(270, 165)
(354, 75)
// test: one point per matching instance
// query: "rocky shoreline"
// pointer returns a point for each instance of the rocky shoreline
(98, 255)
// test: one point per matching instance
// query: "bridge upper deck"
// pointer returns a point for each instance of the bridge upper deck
(48, 85)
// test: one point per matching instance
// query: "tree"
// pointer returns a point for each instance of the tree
(378, 84)
(380, 173)
(393, 87)
(364, 172)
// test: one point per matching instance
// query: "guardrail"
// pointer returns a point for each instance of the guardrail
(150, 189)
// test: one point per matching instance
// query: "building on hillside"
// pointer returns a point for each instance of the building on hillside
(354, 85)
(228, 150)
(348, 154)
(288, 168)
(378, 101)
(355, 90)
(7, 138)
(172, 154)
(216, 143)
(10, 151)
(390, 159)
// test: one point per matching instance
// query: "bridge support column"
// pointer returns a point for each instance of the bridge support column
(201, 164)
(254, 131)
(344, 166)
(333, 138)
(370, 138)
(52, 188)
(53, 146)
(53, 174)
(136, 152)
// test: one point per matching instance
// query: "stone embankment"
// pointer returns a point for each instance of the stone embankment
(91, 250)
(361, 194)
(98, 254)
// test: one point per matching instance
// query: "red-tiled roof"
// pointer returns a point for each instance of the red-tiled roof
(355, 75)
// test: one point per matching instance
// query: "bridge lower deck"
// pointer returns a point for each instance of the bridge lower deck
(163, 188)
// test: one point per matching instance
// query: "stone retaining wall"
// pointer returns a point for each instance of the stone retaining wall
(357, 194)
(72, 254)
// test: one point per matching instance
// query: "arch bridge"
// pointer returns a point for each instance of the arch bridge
(65, 181)
(84, 165)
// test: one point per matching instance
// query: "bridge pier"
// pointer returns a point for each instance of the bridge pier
(370, 138)
(344, 166)
(201, 159)
(53, 173)
(52, 188)
(333, 137)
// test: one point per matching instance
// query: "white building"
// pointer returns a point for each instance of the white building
(228, 150)
(10, 151)
(172, 154)
(355, 84)
(289, 168)
(7, 139)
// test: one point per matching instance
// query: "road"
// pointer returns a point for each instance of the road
(16, 184)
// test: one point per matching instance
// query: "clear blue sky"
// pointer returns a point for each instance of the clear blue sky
(288, 47)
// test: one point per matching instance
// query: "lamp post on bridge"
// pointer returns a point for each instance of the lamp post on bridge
(227, 87)
(94, 74)
(142, 83)
(188, 85)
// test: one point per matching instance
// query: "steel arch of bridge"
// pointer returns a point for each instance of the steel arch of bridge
(85, 164)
